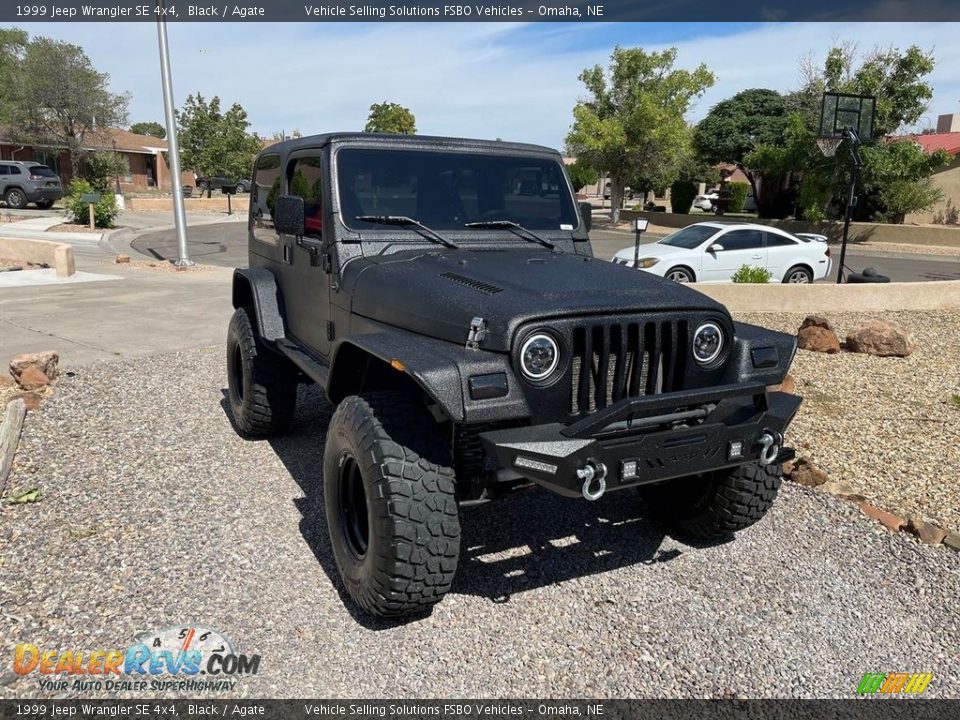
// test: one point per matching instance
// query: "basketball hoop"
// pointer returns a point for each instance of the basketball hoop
(828, 145)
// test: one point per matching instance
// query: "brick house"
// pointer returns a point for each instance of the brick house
(947, 179)
(145, 158)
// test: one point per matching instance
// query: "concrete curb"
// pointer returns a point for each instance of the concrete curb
(879, 297)
(45, 252)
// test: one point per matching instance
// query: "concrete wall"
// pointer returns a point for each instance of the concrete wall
(217, 203)
(948, 236)
(40, 252)
(948, 180)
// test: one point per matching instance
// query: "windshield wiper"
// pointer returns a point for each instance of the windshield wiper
(404, 221)
(515, 228)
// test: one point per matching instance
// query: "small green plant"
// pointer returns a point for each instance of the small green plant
(738, 196)
(955, 401)
(103, 170)
(682, 194)
(748, 274)
(950, 215)
(104, 212)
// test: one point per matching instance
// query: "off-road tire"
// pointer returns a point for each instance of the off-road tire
(15, 198)
(261, 384)
(716, 504)
(413, 530)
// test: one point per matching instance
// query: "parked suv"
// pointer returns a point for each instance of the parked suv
(444, 294)
(28, 182)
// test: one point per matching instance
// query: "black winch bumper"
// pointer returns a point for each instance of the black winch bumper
(648, 439)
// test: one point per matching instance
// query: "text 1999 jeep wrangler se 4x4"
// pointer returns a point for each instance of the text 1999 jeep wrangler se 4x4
(445, 295)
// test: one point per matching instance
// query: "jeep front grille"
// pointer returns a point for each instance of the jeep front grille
(615, 361)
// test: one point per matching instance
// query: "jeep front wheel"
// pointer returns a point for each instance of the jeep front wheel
(390, 504)
(261, 385)
(716, 504)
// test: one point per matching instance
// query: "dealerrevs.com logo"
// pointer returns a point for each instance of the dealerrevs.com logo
(187, 659)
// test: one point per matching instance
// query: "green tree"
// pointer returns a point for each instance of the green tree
(737, 126)
(581, 175)
(153, 129)
(633, 120)
(214, 142)
(388, 117)
(59, 98)
(13, 45)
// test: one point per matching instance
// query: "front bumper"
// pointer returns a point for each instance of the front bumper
(648, 439)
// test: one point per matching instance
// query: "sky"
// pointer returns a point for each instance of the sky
(486, 80)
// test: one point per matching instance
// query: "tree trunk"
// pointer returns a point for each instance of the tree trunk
(616, 198)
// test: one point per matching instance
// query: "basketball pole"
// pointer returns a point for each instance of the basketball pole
(856, 163)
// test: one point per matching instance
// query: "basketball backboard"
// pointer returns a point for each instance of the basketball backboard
(843, 111)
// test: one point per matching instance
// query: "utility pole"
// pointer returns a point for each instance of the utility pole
(179, 213)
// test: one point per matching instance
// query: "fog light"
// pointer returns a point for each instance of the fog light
(735, 450)
(628, 469)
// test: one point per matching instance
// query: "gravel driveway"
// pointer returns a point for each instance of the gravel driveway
(156, 514)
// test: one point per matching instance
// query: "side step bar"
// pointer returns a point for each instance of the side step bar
(316, 371)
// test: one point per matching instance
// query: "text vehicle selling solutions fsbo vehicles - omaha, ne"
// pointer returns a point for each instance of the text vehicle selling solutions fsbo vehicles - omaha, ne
(443, 292)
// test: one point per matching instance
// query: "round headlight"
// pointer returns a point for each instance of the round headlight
(539, 356)
(707, 343)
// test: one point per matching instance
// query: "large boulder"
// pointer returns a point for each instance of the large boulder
(33, 378)
(878, 337)
(46, 362)
(816, 321)
(818, 339)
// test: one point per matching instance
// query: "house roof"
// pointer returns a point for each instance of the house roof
(103, 139)
(932, 142)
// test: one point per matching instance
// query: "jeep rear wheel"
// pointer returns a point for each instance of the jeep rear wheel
(262, 385)
(15, 198)
(716, 504)
(390, 504)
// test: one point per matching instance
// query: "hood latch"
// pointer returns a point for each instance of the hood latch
(478, 331)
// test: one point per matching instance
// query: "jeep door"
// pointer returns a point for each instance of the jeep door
(739, 247)
(306, 274)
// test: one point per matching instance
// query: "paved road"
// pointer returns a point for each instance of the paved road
(225, 244)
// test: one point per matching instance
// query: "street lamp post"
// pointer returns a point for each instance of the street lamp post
(179, 212)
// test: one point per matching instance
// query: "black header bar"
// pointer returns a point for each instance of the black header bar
(14, 11)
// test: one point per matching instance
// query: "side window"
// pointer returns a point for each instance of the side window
(13, 170)
(3, 169)
(305, 180)
(263, 198)
(775, 240)
(741, 240)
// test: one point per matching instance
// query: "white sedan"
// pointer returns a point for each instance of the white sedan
(714, 251)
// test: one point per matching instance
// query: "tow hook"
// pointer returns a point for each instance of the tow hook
(771, 442)
(593, 474)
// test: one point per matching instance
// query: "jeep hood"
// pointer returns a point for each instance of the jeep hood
(438, 293)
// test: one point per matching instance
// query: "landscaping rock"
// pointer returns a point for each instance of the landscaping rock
(804, 472)
(888, 520)
(818, 339)
(877, 337)
(789, 385)
(927, 532)
(31, 400)
(33, 378)
(841, 490)
(816, 321)
(7, 381)
(46, 362)
(952, 540)
(122, 259)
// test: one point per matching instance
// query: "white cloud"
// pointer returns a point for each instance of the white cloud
(472, 79)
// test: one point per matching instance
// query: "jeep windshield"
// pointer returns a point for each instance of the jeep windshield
(449, 190)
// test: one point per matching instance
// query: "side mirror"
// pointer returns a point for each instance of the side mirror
(586, 212)
(715, 248)
(288, 218)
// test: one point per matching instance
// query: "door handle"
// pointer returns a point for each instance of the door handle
(757, 257)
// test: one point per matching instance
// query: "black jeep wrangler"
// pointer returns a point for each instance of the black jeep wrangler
(445, 295)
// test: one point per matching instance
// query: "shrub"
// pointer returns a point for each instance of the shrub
(104, 169)
(104, 212)
(748, 274)
(682, 194)
(738, 196)
(950, 215)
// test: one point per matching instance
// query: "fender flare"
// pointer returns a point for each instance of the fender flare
(441, 370)
(257, 287)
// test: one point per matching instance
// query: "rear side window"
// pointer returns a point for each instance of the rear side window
(263, 198)
(42, 171)
(775, 240)
(305, 180)
(13, 170)
(4, 169)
